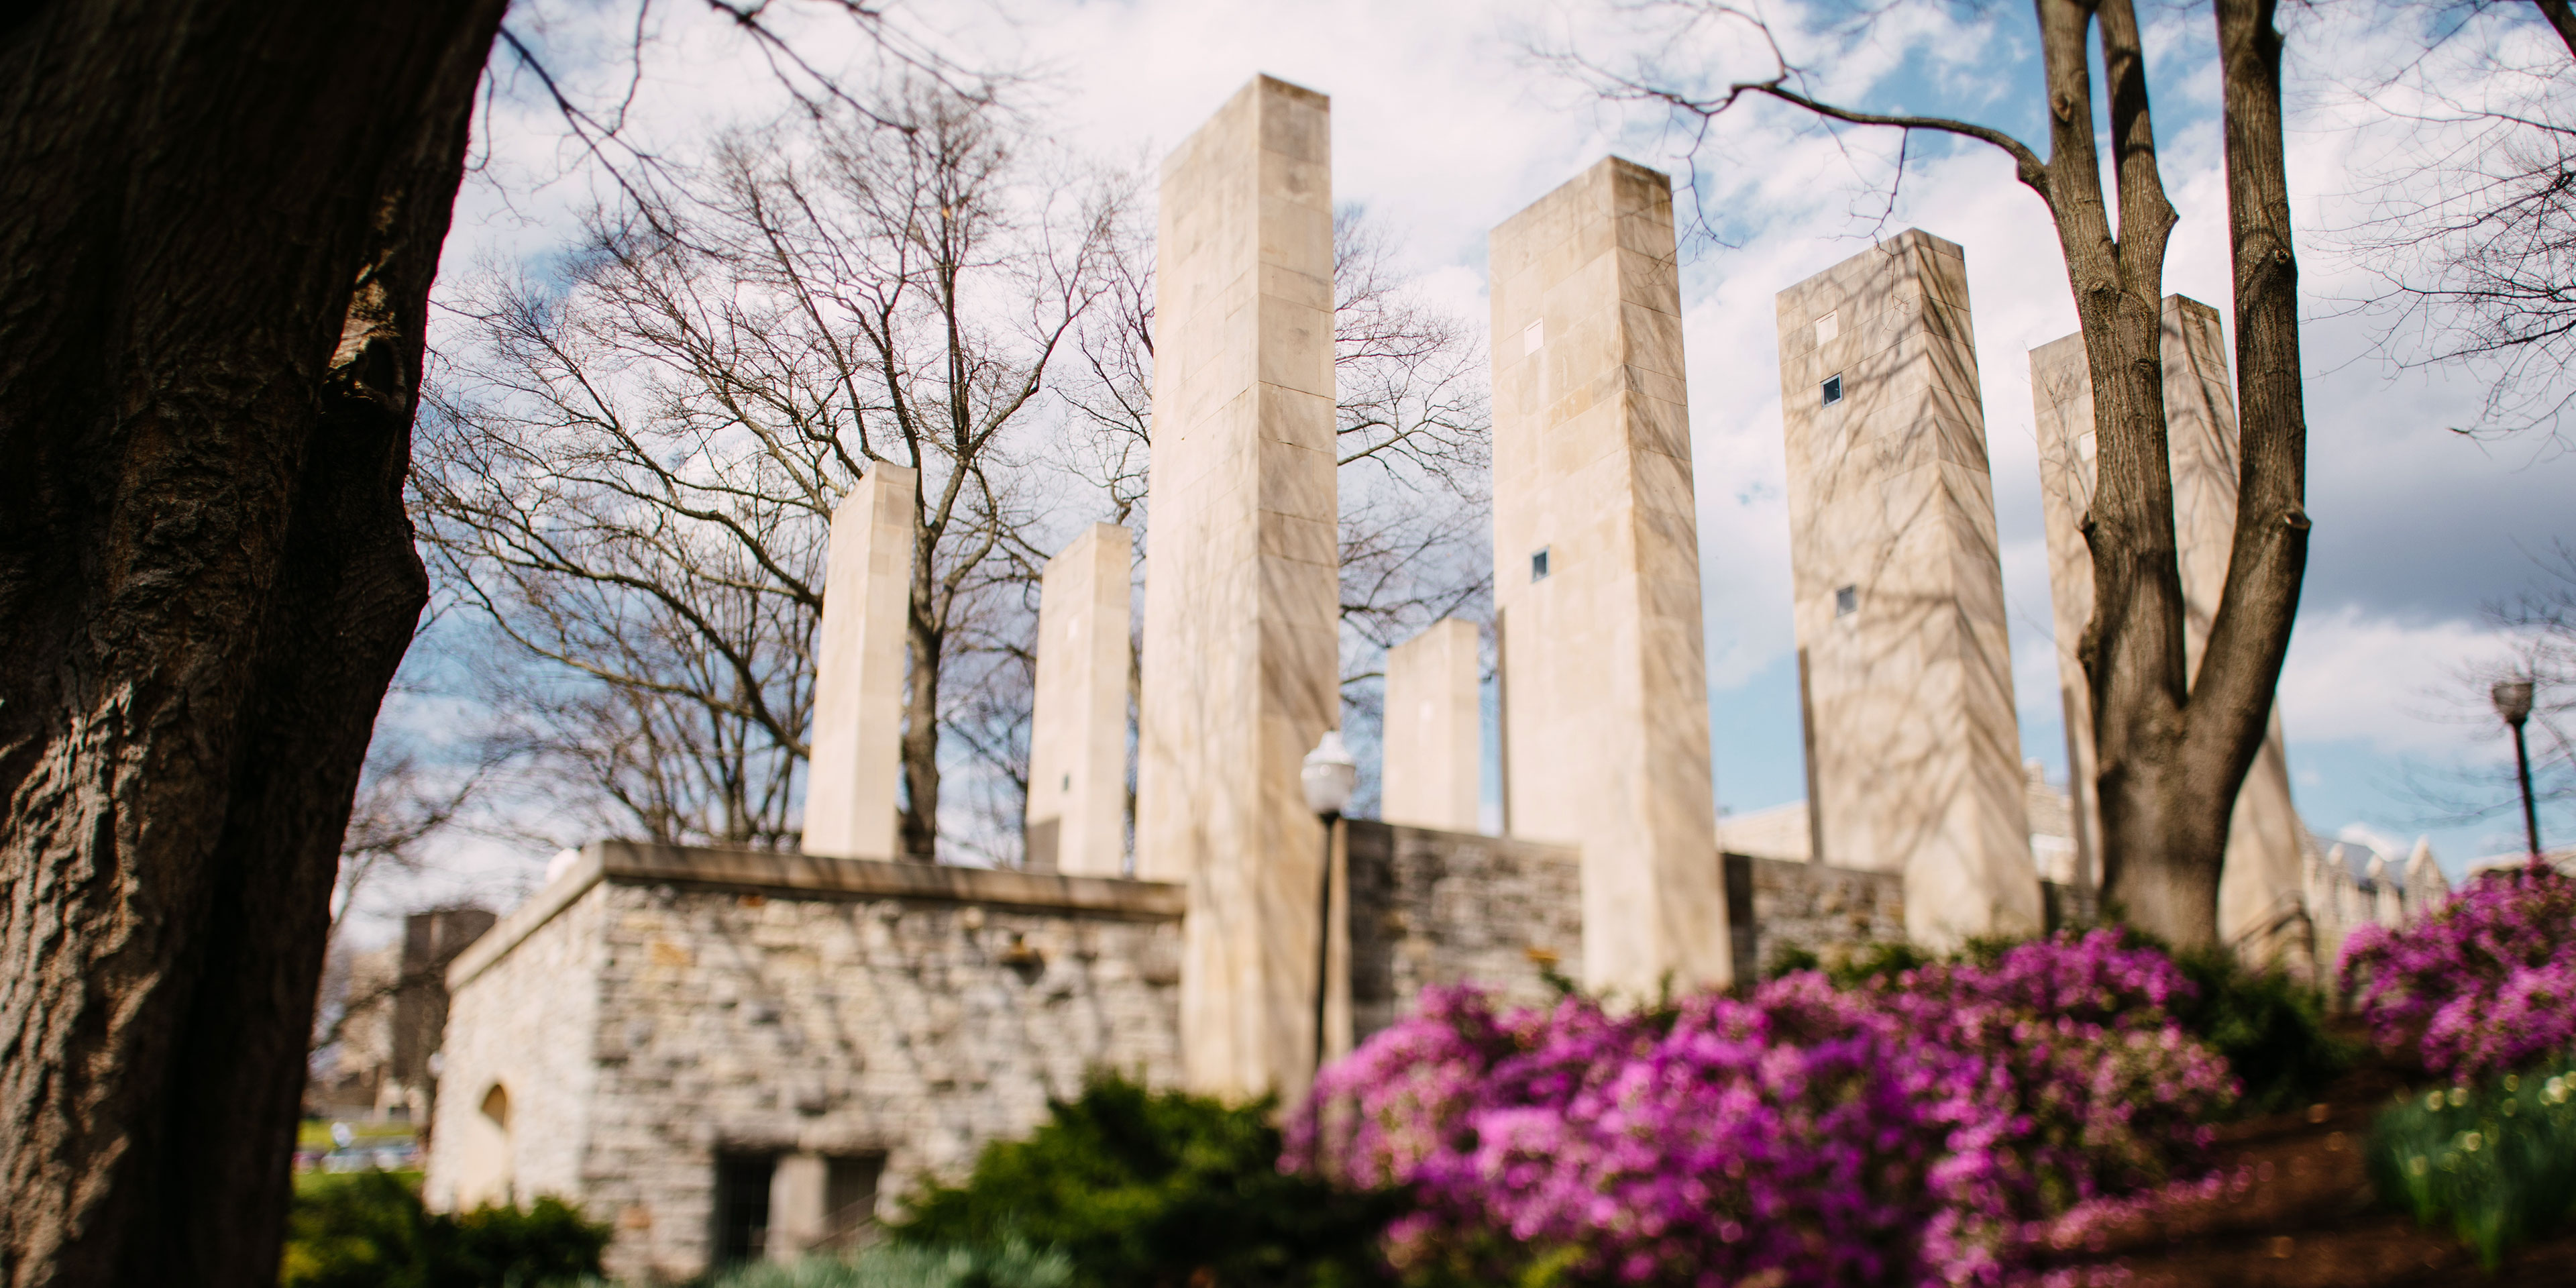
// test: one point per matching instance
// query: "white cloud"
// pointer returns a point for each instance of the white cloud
(2389, 684)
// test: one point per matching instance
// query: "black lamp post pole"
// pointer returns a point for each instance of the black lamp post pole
(2522, 768)
(1324, 934)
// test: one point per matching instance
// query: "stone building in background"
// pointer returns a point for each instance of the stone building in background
(386, 1060)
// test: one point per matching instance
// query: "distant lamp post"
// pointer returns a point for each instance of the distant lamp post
(1329, 776)
(2513, 702)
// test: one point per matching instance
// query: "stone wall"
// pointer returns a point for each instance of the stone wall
(1829, 910)
(1810, 906)
(657, 1008)
(1431, 908)
(524, 1027)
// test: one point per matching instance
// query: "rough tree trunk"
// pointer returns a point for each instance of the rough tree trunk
(2175, 747)
(218, 226)
(2161, 849)
(2232, 697)
(919, 823)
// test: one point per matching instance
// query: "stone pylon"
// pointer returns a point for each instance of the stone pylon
(1915, 750)
(1432, 771)
(2261, 888)
(1241, 669)
(1596, 575)
(859, 662)
(1077, 819)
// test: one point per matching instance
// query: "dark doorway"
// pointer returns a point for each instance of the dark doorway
(742, 1207)
(850, 1200)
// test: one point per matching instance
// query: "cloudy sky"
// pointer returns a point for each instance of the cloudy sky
(1445, 124)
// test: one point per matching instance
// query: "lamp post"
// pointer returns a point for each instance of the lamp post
(1329, 775)
(2513, 702)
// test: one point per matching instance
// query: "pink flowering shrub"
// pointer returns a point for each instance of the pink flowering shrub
(2483, 985)
(1908, 1132)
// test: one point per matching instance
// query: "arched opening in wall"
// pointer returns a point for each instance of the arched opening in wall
(486, 1163)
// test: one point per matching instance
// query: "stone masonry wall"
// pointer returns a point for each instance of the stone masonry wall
(525, 1025)
(915, 1030)
(781, 1004)
(1827, 910)
(1431, 908)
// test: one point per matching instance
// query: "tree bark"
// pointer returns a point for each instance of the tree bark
(2162, 845)
(219, 222)
(919, 823)
(2232, 696)
(2562, 19)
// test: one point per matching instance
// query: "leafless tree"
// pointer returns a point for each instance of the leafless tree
(2471, 225)
(2174, 745)
(2540, 628)
(1413, 436)
(404, 801)
(631, 472)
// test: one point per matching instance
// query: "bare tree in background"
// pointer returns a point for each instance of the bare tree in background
(404, 801)
(632, 472)
(2174, 745)
(2472, 224)
(1414, 434)
(2540, 627)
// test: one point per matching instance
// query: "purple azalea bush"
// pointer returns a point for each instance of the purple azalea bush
(2481, 986)
(1917, 1130)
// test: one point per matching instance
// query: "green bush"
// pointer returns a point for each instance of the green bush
(2270, 1027)
(368, 1230)
(2498, 1162)
(1144, 1189)
(1007, 1265)
(1862, 963)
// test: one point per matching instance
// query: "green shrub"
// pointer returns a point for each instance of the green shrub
(1852, 968)
(1789, 959)
(368, 1230)
(1144, 1189)
(362, 1231)
(2497, 1161)
(1006, 1265)
(2270, 1027)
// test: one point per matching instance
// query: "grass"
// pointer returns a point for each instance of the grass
(315, 1133)
(1007, 1265)
(317, 1183)
(2495, 1162)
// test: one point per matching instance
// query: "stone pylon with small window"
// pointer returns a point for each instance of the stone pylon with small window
(1597, 576)
(1905, 669)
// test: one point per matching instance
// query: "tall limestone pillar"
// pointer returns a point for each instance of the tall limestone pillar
(858, 680)
(1596, 575)
(2262, 886)
(1077, 819)
(1432, 773)
(1241, 670)
(1899, 590)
